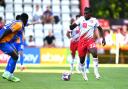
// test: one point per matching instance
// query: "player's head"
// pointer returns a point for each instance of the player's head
(72, 21)
(77, 16)
(87, 12)
(1, 19)
(18, 17)
(24, 18)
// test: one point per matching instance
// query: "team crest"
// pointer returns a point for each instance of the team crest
(84, 25)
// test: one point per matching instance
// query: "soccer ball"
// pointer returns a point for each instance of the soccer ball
(66, 76)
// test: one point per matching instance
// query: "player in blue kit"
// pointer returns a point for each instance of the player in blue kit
(7, 33)
(19, 44)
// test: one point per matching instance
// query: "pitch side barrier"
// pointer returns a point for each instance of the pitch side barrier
(113, 54)
(107, 55)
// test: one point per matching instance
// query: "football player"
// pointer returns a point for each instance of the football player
(7, 33)
(88, 25)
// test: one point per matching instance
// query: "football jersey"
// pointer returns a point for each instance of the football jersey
(87, 27)
(14, 26)
(18, 38)
(75, 33)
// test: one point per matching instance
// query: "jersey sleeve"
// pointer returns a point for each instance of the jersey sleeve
(16, 26)
(78, 21)
(69, 30)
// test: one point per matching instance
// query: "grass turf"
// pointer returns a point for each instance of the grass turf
(112, 78)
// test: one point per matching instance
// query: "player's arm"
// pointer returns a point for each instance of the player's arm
(102, 35)
(72, 26)
(14, 38)
(76, 23)
(68, 34)
(4, 32)
(14, 27)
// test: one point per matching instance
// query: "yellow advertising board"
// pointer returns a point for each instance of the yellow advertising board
(53, 55)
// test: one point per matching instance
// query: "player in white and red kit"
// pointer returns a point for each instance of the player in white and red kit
(74, 35)
(88, 25)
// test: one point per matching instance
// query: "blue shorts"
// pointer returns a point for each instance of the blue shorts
(7, 48)
(19, 46)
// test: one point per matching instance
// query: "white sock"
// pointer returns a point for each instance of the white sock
(95, 62)
(85, 65)
(82, 68)
(72, 65)
(78, 66)
(7, 73)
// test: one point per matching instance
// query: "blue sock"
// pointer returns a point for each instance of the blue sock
(11, 65)
(21, 59)
(88, 61)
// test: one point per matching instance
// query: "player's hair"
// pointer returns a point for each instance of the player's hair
(77, 16)
(24, 18)
(72, 20)
(87, 10)
(18, 17)
(1, 19)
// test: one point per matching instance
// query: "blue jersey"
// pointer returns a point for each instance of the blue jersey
(18, 38)
(16, 27)
(19, 43)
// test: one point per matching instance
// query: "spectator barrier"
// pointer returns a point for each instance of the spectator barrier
(106, 54)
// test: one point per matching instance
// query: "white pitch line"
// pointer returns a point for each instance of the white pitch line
(67, 65)
(40, 71)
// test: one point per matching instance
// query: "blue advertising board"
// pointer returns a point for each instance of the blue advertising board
(31, 56)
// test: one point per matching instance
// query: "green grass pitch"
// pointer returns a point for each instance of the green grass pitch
(111, 78)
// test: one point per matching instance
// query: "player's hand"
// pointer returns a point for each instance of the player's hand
(103, 42)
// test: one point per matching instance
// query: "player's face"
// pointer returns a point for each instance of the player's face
(25, 22)
(87, 15)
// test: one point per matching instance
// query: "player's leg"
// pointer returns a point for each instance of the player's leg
(21, 61)
(21, 58)
(72, 62)
(87, 62)
(77, 65)
(93, 51)
(82, 68)
(9, 70)
(82, 54)
(21, 47)
(73, 52)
